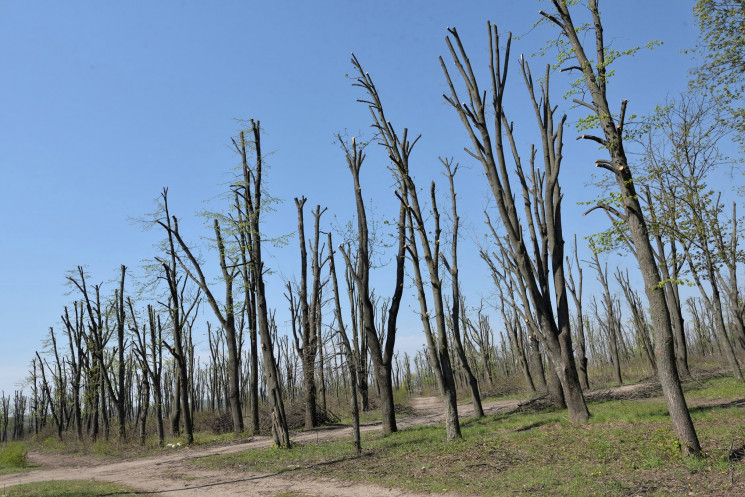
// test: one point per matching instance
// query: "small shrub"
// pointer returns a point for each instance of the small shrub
(14, 455)
(215, 422)
(221, 422)
(51, 443)
(401, 396)
(101, 448)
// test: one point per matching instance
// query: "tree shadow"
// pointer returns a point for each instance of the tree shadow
(719, 405)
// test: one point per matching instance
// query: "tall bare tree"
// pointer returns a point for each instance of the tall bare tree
(398, 150)
(307, 342)
(381, 351)
(179, 310)
(452, 268)
(541, 196)
(351, 360)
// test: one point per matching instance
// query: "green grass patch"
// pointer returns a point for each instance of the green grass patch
(627, 448)
(71, 488)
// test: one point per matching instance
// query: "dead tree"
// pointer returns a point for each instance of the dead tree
(452, 268)
(575, 290)
(310, 312)
(595, 77)
(610, 321)
(540, 190)
(351, 360)
(381, 351)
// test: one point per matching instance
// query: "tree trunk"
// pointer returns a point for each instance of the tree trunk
(634, 218)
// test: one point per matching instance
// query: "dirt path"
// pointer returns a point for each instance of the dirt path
(171, 474)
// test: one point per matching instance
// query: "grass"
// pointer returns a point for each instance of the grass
(71, 488)
(627, 448)
(13, 457)
(114, 450)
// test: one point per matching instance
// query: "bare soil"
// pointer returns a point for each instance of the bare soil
(171, 473)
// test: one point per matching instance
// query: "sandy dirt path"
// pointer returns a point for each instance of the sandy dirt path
(171, 474)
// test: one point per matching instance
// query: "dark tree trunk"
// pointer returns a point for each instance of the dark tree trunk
(478, 410)
(381, 353)
(351, 361)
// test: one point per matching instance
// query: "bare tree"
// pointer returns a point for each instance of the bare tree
(351, 360)
(398, 150)
(575, 290)
(610, 321)
(452, 268)
(310, 312)
(179, 310)
(639, 317)
(381, 351)
(541, 196)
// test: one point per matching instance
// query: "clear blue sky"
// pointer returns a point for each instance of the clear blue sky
(104, 103)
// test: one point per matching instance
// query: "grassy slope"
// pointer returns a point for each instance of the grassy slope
(627, 448)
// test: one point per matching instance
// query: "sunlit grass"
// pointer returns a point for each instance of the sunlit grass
(627, 447)
(71, 488)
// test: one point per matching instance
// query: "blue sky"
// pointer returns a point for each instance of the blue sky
(102, 104)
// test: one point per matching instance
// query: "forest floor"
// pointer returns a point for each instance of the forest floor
(182, 471)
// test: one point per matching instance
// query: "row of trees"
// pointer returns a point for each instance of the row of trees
(663, 214)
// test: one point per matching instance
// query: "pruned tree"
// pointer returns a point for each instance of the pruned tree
(610, 321)
(307, 341)
(595, 78)
(381, 351)
(541, 196)
(251, 195)
(350, 356)
(398, 150)
(179, 309)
